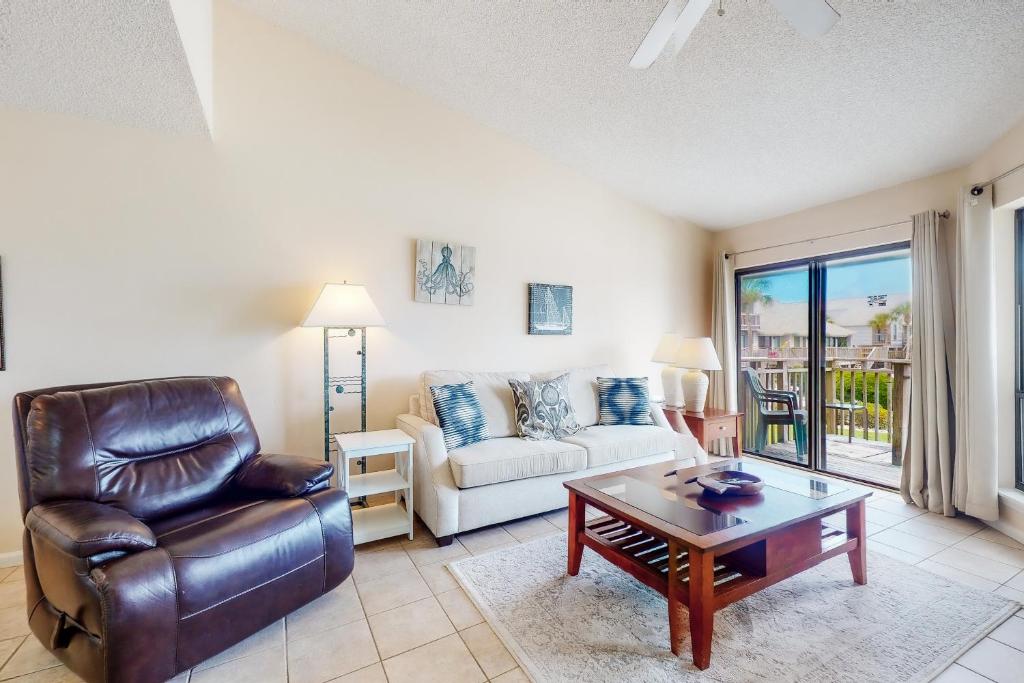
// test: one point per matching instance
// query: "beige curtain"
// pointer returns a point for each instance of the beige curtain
(975, 477)
(928, 447)
(723, 333)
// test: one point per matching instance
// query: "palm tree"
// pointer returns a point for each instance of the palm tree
(755, 291)
(901, 315)
(881, 322)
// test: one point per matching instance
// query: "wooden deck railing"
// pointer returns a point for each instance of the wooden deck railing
(879, 385)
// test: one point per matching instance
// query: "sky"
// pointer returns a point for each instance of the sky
(844, 279)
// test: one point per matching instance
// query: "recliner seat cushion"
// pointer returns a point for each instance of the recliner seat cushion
(251, 562)
(512, 458)
(606, 444)
(250, 544)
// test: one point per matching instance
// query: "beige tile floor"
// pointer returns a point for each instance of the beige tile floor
(402, 617)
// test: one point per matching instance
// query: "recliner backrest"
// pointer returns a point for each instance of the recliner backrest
(151, 448)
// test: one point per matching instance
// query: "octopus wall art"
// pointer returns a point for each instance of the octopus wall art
(445, 273)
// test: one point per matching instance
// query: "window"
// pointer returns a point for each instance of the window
(1019, 265)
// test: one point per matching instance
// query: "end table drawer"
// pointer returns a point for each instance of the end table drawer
(720, 429)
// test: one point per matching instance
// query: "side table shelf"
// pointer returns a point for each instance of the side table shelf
(378, 521)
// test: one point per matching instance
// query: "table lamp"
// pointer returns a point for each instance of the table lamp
(696, 354)
(343, 307)
(671, 376)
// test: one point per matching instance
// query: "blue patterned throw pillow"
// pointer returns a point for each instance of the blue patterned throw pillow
(624, 401)
(459, 414)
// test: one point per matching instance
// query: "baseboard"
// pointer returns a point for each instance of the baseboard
(12, 559)
(1011, 515)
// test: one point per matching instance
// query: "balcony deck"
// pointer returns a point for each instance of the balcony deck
(860, 459)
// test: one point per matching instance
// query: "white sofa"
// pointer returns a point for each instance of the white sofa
(506, 477)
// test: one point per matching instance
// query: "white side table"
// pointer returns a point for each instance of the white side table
(379, 521)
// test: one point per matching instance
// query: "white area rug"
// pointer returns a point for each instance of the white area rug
(907, 624)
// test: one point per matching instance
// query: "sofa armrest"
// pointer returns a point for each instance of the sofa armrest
(658, 415)
(437, 496)
(283, 475)
(83, 528)
(688, 446)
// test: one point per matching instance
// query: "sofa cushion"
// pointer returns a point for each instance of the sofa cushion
(582, 390)
(607, 444)
(491, 388)
(512, 458)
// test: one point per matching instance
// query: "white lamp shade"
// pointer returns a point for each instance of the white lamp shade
(697, 353)
(667, 349)
(343, 305)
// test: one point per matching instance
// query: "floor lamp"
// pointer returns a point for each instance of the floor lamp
(343, 307)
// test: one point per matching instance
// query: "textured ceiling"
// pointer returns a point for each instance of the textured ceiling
(749, 121)
(115, 60)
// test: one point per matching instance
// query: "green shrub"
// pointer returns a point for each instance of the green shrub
(865, 386)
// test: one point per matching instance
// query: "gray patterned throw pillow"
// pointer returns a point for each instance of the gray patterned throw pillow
(543, 410)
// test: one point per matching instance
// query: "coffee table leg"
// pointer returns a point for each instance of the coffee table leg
(702, 606)
(859, 555)
(577, 522)
(676, 607)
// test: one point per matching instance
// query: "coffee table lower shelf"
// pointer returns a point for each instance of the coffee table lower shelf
(646, 557)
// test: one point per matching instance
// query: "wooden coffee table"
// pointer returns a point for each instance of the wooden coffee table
(704, 552)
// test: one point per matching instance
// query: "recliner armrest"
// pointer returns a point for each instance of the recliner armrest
(84, 528)
(283, 475)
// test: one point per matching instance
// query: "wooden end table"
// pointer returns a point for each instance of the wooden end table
(709, 426)
(704, 552)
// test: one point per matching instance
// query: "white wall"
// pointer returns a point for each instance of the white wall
(823, 225)
(131, 254)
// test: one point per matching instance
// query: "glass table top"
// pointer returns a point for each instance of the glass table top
(793, 483)
(683, 505)
(666, 504)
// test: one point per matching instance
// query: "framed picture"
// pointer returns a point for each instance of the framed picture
(550, 309)
(445, 273)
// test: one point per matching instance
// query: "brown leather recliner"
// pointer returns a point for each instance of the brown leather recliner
(157, 534)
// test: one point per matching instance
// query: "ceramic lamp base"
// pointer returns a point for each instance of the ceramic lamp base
(672, 384)
(695, 390)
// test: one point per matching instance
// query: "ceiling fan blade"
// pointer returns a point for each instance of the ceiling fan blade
(811, 18)
(678, 19)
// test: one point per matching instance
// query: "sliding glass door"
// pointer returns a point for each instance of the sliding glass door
(824, 361)
(773, 337)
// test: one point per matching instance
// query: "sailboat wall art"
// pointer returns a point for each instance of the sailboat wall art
(445, 273)
(550, 309)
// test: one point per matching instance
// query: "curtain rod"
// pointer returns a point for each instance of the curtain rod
(996, 179)
(942, 214)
